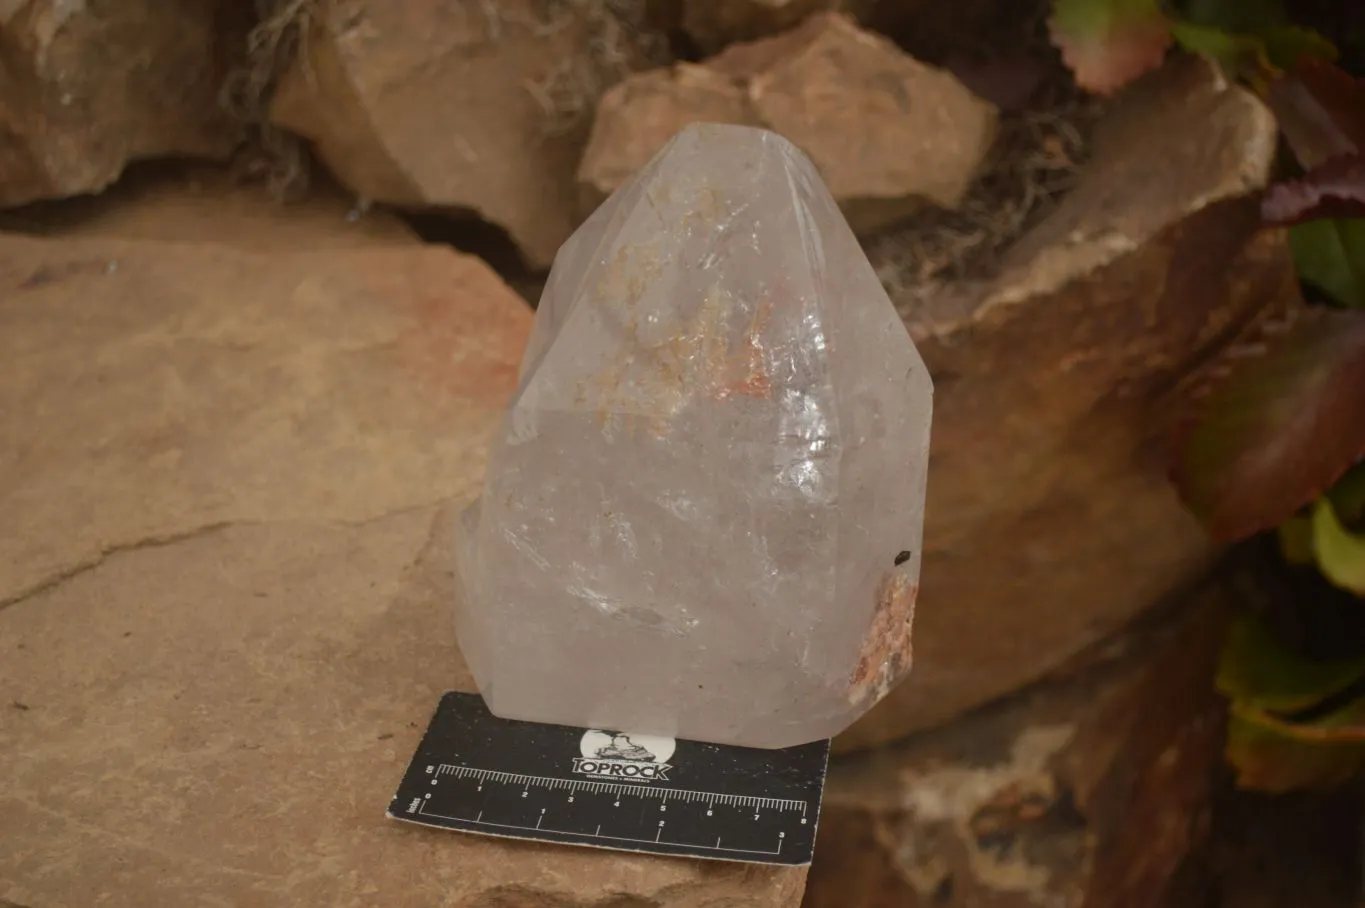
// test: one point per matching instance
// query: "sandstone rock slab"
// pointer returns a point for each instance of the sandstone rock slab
(1080, 793)
(91, 87)
(434, 105)
(190, 203)
(1050, 521)
(886, 131)
(230, 487)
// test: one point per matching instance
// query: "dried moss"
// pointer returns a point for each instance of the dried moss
(1033, 163)
(279, 37)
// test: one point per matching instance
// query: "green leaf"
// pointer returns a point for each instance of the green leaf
(1340, 555)
(1284, 423)
(1109, 43)
(1271, 754)
(1255, 669)
(1296, 541)
(1230, 50)
(1241, 51)
(1348, 496)
(1294, 722)
(1253, 16)
(1286, 45)
(1331, 254)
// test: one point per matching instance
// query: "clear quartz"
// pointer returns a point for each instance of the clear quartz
(702, 514)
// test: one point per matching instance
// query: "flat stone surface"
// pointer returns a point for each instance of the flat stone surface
(226, 585)
(703, 513)
(1050, 521)
(192, 203)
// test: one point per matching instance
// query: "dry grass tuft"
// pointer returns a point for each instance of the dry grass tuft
(279, 37)
(620, 40)
(1034, 162)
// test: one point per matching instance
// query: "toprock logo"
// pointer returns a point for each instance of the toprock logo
(620, 757)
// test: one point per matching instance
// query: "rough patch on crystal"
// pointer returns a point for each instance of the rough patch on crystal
(695, 513)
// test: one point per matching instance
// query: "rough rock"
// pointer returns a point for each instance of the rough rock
(713, 25)
(196, 204)
(225, 580)
(1050, 520)
(886, 131)
(429, 104)
(1088, 792)
(88, 88)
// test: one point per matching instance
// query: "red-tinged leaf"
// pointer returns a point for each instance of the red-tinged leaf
(1272, 754)
(1283, 424)
(1335, 189)
(1321, 111)
(1109, 43)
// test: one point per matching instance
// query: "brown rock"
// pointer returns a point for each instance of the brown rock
(429, 104)
(715, 24)
(199, 204)
(1050, 521)
(1088, 792)
(89, 87)
(225, 580)
(886, 131)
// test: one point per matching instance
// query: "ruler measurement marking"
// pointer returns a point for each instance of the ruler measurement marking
(617, 838)
(619, 789)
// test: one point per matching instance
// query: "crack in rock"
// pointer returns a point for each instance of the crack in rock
(59, 577)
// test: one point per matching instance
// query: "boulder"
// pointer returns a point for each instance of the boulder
(1050, 522)
(887, 132)
(225, 580)
(457, 107)
(1087, 792)
(89, 87)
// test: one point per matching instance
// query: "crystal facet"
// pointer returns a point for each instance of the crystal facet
(702, 515)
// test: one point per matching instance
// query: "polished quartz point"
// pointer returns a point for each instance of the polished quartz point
(703, 510)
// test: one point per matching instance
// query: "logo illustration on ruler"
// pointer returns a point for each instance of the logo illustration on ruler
(624, 757)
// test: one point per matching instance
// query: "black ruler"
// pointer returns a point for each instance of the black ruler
(606, 789)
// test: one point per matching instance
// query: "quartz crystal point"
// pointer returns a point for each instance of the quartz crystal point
(702, 514)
